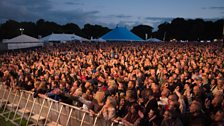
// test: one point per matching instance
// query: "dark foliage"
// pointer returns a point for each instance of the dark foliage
(179, 29)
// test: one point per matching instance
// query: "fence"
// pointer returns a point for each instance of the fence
(44, 111)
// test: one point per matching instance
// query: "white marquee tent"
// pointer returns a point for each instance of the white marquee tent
(22, 41)
(153, 40)
(98, 40)
(62, 38)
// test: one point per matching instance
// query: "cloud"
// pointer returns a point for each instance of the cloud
(74, 3)
(217, 8)
(77, 16)
(120, 16)
(213, 8)
(128, 23)
(71, 3)
(156, 21)
(123, 16)
(68, 11)
(32, 10)
(112, 21)
(23, 10)
(158, 18)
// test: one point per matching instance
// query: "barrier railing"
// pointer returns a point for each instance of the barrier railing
(45, 111)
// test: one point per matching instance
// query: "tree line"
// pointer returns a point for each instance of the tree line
(178, 28)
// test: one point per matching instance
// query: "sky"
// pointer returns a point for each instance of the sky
(110, 13)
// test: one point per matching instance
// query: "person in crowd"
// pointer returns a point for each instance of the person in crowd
(186, 78)
(219, 88)
(98, 102)
(121, 108)
(39, 88)
(152, 119)
(55, 92)
(196, 116)
(109, 109)
(132, 118)
(170, 118)
(163, 100)
(130, 98)
(213, 105)
(149, 102)
(218, 119)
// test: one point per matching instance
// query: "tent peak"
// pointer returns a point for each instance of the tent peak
(121, 34)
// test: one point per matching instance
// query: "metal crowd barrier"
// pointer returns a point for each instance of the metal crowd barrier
(44, 111)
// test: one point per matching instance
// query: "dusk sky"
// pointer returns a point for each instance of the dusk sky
(109, 13)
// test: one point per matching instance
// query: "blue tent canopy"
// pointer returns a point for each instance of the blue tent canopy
(121, 34)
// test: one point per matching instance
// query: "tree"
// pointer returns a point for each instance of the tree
(45, 27)
(71, 28)
(218, 28)
(29, 28)
(94, 31)
(197, 29)
(179, 28)
(163, 32)
(142, 30)
(10, 29)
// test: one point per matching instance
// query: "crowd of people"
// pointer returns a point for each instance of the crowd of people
(150, 84)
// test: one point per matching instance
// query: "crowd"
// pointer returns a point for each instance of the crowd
(150, 84)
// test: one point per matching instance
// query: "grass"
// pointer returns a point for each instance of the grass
(3, 121)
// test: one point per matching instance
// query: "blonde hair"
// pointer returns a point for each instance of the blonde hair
(37, 84)
(112, 101)
(78, 92)
(99, 96)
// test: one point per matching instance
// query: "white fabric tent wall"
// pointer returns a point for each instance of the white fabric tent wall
(153, 40)
(98, 40)
(62, 38)
(23, 45)
(23, 41)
